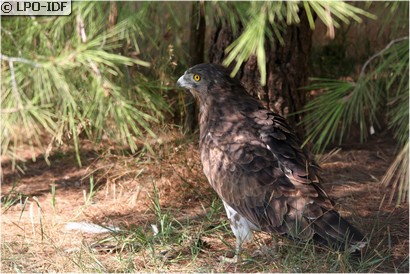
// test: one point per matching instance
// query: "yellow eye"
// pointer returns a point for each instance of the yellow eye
(197, 77)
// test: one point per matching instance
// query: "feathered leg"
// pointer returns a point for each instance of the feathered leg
(242, 230)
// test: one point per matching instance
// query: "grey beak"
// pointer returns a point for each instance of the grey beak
(181, 81)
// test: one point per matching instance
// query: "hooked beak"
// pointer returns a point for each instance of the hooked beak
(181, 82)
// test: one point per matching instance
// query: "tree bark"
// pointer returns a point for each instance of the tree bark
(196, 52)
(286, 67)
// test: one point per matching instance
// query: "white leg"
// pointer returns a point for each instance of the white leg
(241, 228)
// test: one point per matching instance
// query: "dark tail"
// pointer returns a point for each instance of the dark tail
(332, 230)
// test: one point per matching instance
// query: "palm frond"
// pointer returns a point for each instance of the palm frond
(349, 102)
(327, 113)
(396, 178)
(382, 83)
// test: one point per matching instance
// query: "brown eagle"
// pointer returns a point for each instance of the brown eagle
(254, 161)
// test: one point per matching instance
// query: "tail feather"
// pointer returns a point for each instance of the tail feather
(331, 229)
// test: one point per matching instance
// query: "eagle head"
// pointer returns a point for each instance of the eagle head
(203, 79)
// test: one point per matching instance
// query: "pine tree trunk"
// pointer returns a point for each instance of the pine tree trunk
(286, 66)
(196, 52)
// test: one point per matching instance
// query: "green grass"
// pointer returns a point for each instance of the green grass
(11, 198)
(183, 245)
(190, 236)
(180, 244)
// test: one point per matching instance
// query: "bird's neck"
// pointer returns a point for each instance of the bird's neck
(215, 114)
(204, 118)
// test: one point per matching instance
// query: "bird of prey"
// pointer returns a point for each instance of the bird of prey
(253, 160)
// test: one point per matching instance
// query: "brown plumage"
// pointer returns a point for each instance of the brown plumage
(253, 160)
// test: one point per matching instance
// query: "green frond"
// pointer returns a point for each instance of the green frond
(326, 114)
(382, 84)
(397, 177)
(265, 20)
(73, 74)
(359, 102)
(241, 49)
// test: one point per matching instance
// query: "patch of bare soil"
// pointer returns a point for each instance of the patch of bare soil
(120, 191)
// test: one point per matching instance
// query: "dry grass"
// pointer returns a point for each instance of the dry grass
(134, 192)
